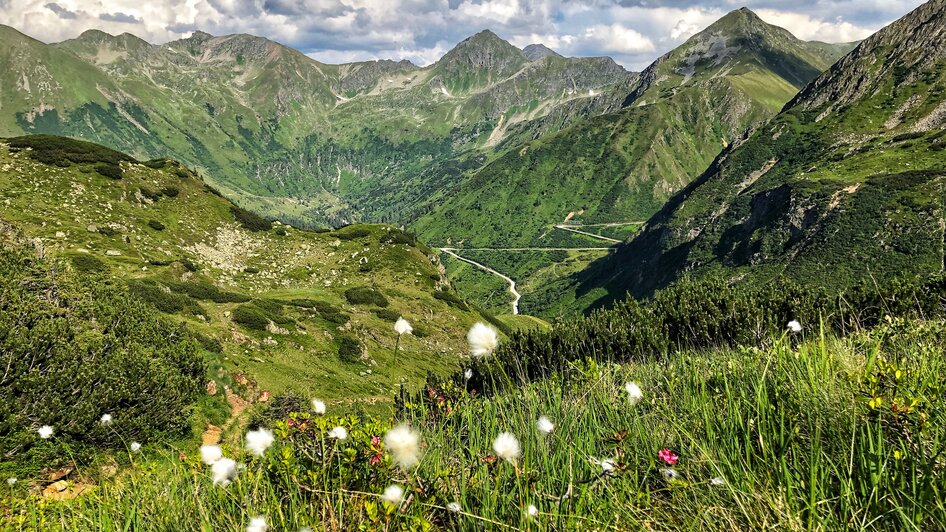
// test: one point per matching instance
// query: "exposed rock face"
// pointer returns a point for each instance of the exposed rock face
(539, 51)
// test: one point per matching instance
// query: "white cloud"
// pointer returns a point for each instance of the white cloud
(811, 29)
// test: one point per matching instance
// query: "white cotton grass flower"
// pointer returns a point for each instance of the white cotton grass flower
(209, 454)
(45, 432)
(544, 425)
(339, 433)
(404, 445)
(483, 339)
(135, 447)
(11, 481)
(608, 466)
(454, 507)
(669, 474)
(257, 441)
(794, 326)
(318, 406)
(718, 481)
(634, 393)
(223, 471)
(468, 374)
(257, 524)
(393, 494)
(532, 511)
(106, 419)
(402, 326)
(506, 447)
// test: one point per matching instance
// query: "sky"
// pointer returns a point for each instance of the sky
(633, 32)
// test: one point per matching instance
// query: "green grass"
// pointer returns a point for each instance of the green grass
(795, 431)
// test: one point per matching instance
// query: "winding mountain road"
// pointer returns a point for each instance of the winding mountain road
(512, 284)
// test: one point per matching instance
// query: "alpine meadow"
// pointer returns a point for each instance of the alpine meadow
(472, 265)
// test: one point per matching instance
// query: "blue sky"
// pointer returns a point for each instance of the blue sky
(634, 32)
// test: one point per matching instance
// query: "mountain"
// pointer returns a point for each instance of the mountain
(289, 308)
(280, 132)
(539, 51)
(846, 184)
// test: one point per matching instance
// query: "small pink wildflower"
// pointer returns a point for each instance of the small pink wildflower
(668, 457)
(376, 440)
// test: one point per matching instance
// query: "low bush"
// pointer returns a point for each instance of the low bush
(352, 232)
(90, 350)
(251, 317)
(153, 195)
(366, 295)
(111, 171)
(397, 236)
(171, 192)
(387, 314)
(156, 225)
(207, 292)
(250, 221)
(349, 349)
(87, 263)
(162, 298)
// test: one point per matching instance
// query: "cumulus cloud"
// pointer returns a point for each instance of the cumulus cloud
(634, 32)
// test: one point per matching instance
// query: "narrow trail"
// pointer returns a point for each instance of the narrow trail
(528, 249)
(512, 284)
(586, 233)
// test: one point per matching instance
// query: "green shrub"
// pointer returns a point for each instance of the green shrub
(451, 298)
(251, 317)
(352, 232)
(250, 269)
(87, 263)
(349, 349)
(282, 232)
(171, 192)
(156, 225)
(111, 171)
(163, 299)
(249, 220)
(397, 236)
(153, 195)
(156, 164)
(188, 264)
(207, 292)
(88, 351)
(365, 295)
(106, 231)
(64, 151)
(326, 311)
(387, 314)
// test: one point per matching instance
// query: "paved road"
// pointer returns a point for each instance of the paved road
(512, 284)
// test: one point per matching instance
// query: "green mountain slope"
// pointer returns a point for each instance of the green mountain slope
(847, 183)
(309, 311)
(622, 166)
(285, 134)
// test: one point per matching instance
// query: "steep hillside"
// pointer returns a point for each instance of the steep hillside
(288, 309)
(849, 182)
(280, 132)
(622, 166)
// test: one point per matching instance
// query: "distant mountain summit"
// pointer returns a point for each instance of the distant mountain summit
(534, 52)
(848, 183)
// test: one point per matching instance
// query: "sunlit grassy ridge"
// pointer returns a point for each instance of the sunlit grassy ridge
(808, 432)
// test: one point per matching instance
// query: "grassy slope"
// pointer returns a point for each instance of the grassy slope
(847, 183)
(791, 431)
(65, 208)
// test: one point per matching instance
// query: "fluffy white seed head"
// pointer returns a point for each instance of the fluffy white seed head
(257, 524)
(544, 425)
(209, 454)
(339, 433)
(393, 494)
(483, 340)
(45, 432)
(135, 447)
(402, 326)
(718, 481)
(794, 326)
(532, 511)
(607, 466)
(318, 407)
(506, 447)
(468, 374)
(106, 419)
(404, 445)
(257, 441)
(454, 507)
(223, 471)
(634, 393)
(669, 474)
(11, 481)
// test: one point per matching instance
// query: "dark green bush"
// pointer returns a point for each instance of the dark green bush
(153, 195)
(251, 317)
(349, 349)
(281, 232)
(397, 236)
(188, 264)
(87, 263)
(64, 151)
(250, 269)
(451, 298)
(387, 314)
(207, 292)
(106, 231)
(156, 164)
(156, 225)
(365, 295)
(163, 299)
(352, 232)
(249, 220)
(111, 171)
(278, 409)
(88, 351)
(171, 192)
(326, 311)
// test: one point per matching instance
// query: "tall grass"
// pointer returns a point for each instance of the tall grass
(820, 434)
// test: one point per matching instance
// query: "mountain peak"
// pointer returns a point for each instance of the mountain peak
(478, 58)
(539, 51)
